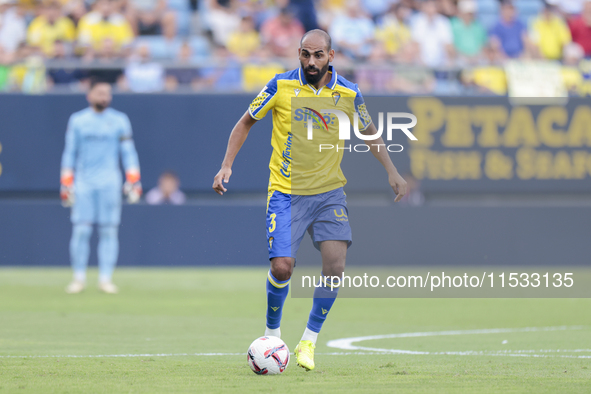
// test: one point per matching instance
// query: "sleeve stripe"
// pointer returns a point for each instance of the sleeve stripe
(366, 126)
(252, 116)
(265, 102)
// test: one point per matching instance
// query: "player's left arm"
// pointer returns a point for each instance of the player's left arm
(396, 181)
(67, 166)
(131, 163)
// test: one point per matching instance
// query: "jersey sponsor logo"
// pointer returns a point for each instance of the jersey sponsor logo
(341, 217)
(316, 117)
(286, 155)
(313, 117)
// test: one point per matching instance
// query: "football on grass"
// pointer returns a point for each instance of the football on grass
(268, 356)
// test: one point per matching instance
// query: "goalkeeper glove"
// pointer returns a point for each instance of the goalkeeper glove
(67, 188)
(132, 187)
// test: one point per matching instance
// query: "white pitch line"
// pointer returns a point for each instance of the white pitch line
(126, 355)
(347, 343)
(169, 355)
(515, 353)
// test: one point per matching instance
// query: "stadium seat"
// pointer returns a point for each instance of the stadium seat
(488, 6)
(161, 49)
(200, 48)
(528, 9)
(183, 13)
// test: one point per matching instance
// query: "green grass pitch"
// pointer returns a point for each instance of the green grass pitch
(149, 334)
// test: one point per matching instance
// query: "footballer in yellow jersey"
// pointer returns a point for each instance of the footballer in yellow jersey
(306, 183)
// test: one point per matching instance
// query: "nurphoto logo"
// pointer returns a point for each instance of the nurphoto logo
(321, 119)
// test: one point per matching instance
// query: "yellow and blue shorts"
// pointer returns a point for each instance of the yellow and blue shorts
(324, 216)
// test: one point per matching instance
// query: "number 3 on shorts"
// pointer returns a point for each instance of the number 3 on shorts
(273, 222)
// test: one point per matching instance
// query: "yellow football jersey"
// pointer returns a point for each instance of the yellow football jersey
(93, 30)
(302, 161)
(43, 34)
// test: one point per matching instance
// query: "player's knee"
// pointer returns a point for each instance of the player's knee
(282, 268)
(82, 231)
(336, 269)
(108, 232)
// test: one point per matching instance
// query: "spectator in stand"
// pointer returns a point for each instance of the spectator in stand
(12, 28)
(106, 67)
(222, 20)
(65, 76)
(185, 74)
(509, 34)
(393, 33)
(105, 22)
(282, 33)
(4, 72)
(469, 34)
(29, 75)
(259, 70)
(142, 75)
(432, 32)
(167, 191)
(571, 71)
(166, 46)
(225, 76)
(149, 16)
(49, 27)
(570, 8)
(580, 28)
(377, 8)
(327, 11)
(305, 12)
(550, 33)
(245, 40)
(75, 10)
(353, 32)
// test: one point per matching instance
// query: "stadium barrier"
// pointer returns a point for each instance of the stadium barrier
(473, 145)
(36, 233)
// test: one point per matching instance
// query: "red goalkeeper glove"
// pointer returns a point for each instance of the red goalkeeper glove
(132, 187)
(67, 188)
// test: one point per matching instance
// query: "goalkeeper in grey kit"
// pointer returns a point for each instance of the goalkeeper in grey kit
(96, 138)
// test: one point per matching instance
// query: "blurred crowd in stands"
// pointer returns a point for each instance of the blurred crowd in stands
(442, 47)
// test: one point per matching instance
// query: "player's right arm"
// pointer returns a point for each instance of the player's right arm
(257, 110)
(67, 166)
(237, 138)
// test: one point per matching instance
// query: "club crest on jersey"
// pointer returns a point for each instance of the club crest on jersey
(336, 96)
(271, 243)
(297, 92)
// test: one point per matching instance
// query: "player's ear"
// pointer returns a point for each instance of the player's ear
(331, 55)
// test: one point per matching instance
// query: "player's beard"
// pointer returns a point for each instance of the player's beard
(315, 78)
(100, 107)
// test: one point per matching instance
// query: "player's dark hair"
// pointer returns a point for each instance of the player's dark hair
(169, 174)
(322, 33)
(97, 81)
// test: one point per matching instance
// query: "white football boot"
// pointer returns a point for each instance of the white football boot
(108, 287)
(75, 287)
